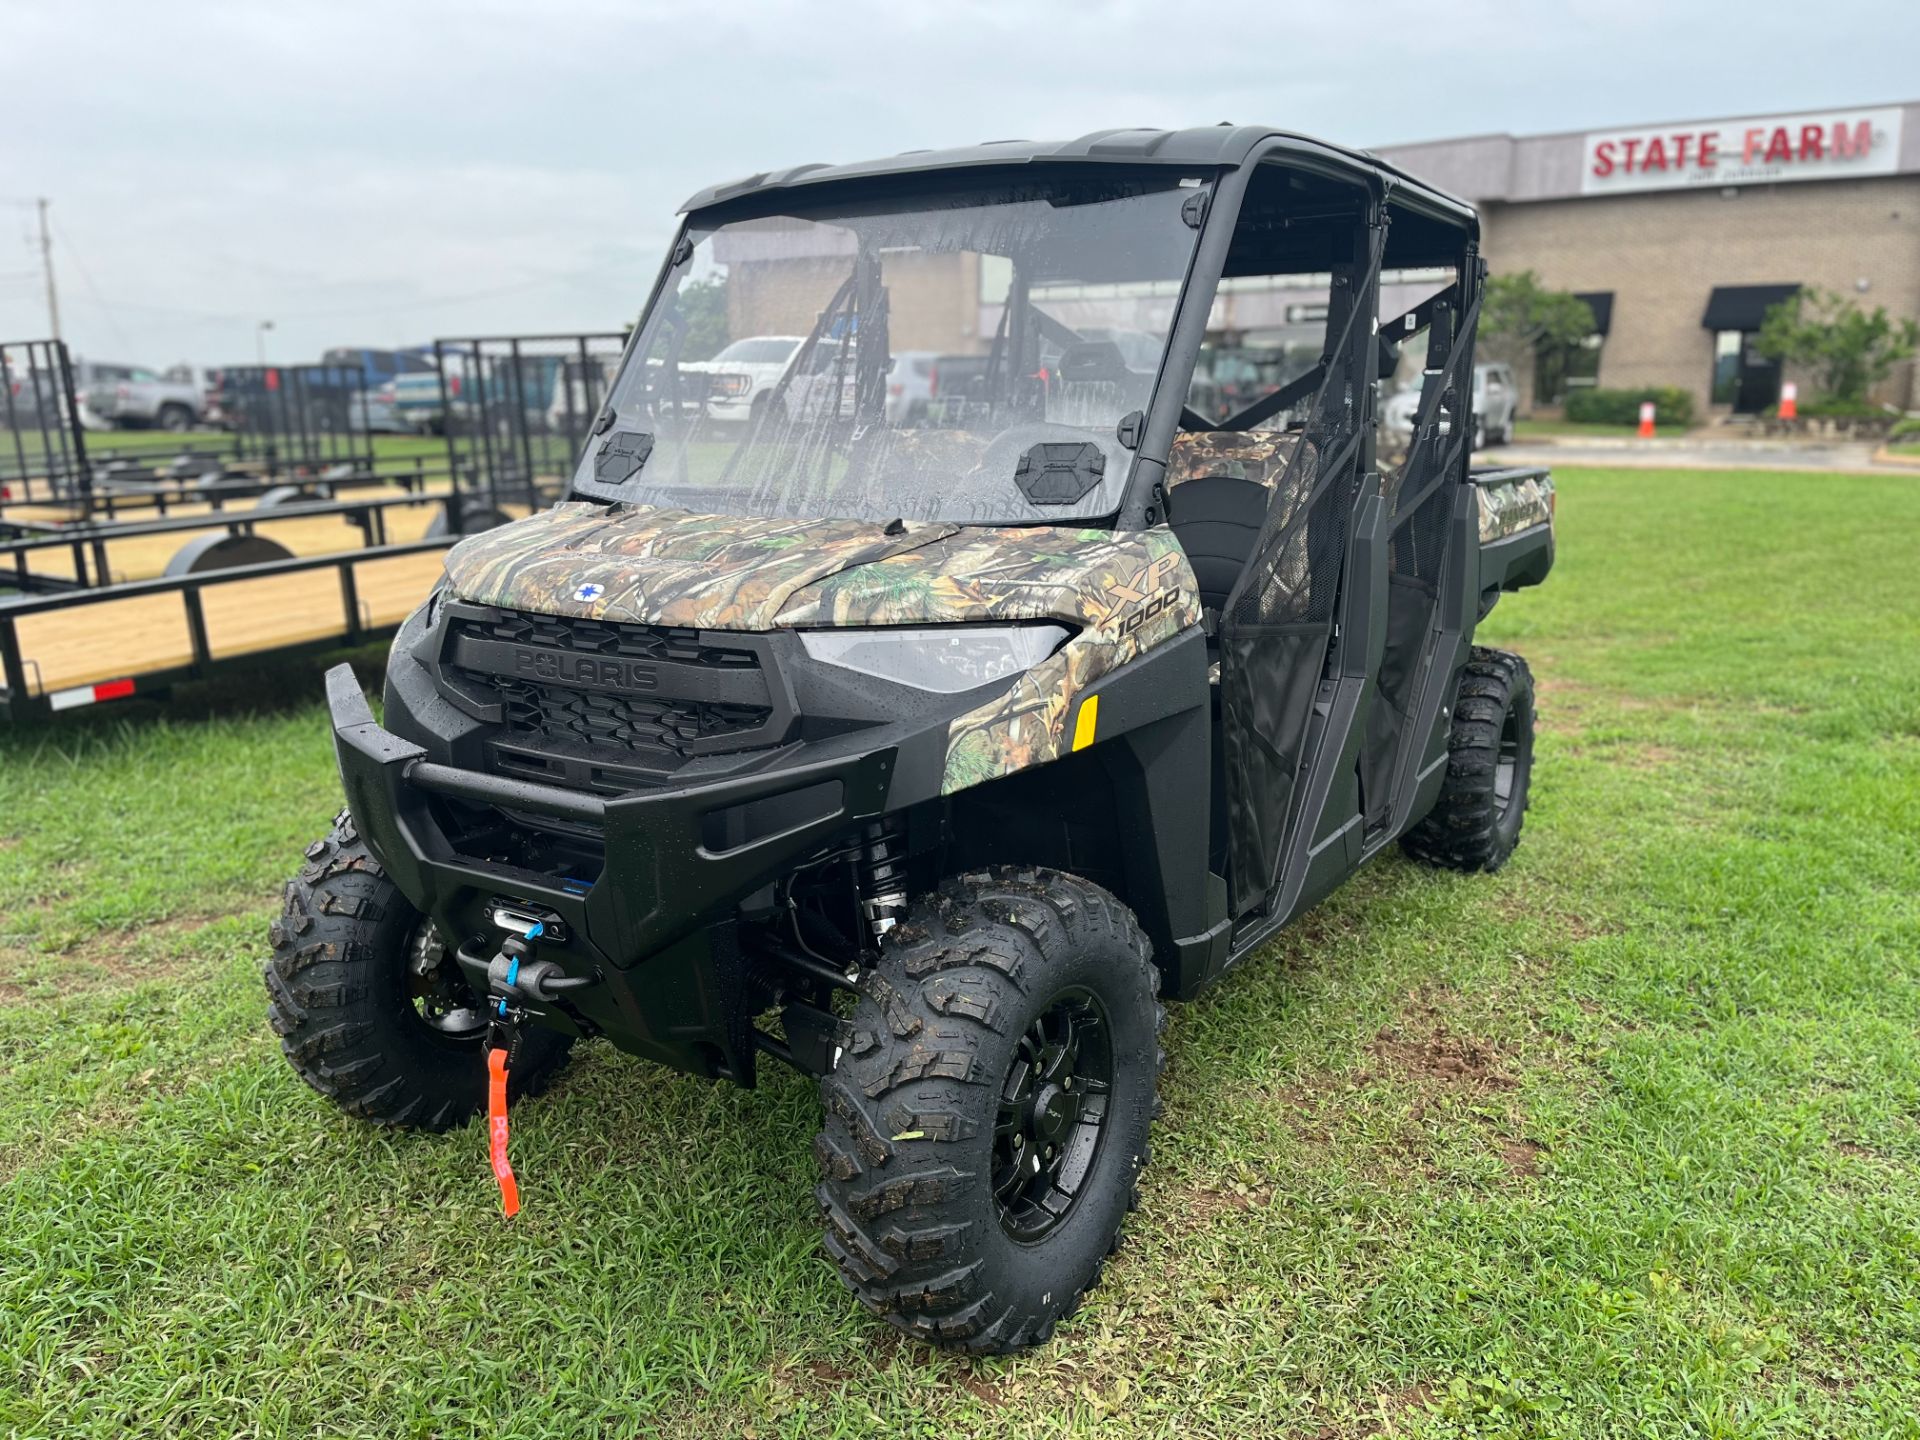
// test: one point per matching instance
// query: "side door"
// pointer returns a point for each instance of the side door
(1290, 727)
(1431, 536)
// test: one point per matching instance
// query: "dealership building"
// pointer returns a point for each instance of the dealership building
(1679, 236)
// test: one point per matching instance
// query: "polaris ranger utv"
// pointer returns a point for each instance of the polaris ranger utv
(930, 757)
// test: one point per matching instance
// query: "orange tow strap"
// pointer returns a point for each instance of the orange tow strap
(497, 1130)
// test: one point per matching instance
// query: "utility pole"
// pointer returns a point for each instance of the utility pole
(46, 261)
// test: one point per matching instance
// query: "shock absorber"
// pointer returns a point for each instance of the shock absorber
(881, 873)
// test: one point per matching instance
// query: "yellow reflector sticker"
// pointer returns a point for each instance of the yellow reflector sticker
(1084, 722)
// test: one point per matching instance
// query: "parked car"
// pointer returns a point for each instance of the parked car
(910, 387)
(132, 396)
(489, 384)
(373, 412)
(1496, 399)
(416, 398)
(26, 395)
(381, 366)
(744, 374)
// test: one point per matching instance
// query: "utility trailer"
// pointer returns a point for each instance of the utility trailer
(518, 410)
(281, 424)
(43, 448)
(294, 536)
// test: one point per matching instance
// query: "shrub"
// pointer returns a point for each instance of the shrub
(1826, 407)
(1672, 406)
(1850, 350)
(1906, 430)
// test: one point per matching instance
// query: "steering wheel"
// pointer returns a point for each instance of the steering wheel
(1003, 452)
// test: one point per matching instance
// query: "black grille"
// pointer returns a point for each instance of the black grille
(609, 732)
(649, 726)
(602, 637)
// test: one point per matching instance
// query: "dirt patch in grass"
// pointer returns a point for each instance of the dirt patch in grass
(1417, 1396)
(114, 960)
(1522, 1156)
(985, 1391)
(1442, 1058)
(1518, 906)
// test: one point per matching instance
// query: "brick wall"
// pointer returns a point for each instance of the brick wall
(1662, 254)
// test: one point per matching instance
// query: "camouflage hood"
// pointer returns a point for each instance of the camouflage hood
(643, 565)
(1121, 594)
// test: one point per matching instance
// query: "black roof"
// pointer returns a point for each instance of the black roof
(1202, 147)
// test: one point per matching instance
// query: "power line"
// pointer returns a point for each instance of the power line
(86, 278)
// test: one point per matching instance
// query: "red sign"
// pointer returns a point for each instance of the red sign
(1763, 150)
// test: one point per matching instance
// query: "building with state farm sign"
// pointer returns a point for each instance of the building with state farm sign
(1681, 235)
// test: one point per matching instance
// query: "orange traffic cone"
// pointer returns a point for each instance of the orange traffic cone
(1789, 401)
(1646, 420)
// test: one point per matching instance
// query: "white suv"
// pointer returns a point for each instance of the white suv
(1496, 399)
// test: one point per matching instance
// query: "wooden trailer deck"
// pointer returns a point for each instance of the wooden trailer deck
(124, 637)
(141, 557)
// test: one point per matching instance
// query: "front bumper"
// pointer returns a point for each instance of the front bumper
(676, 861)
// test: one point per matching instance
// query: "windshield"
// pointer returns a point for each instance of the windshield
(909, 356)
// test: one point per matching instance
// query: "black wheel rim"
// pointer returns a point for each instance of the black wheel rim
(1053, 1113)
(1506, 766)
(442, 999)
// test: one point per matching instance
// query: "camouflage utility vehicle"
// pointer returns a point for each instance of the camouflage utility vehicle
(931, 757)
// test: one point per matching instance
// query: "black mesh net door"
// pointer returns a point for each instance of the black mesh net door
(1277, 623)
(1420, 494)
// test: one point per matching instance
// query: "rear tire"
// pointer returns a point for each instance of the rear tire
(1476, 822)
(987, 1120)
(356, 1020)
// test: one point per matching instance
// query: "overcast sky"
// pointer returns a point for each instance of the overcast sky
(380, 174)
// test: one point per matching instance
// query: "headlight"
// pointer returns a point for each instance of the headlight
(945, 661)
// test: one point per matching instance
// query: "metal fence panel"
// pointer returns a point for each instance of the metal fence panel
(43, 449)
(518, 410)
(297, 415)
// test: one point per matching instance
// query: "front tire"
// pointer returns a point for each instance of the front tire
(988, 1118)
(368, 1013)
(177, 418)
(1475, 823)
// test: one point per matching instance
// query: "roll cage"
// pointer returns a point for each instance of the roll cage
(1368, 216)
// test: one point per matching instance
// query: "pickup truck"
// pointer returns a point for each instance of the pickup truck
(488, 383)
(131, 396)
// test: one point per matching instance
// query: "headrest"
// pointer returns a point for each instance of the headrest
(1257, 455)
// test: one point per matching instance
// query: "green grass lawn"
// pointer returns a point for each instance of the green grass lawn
(1623, 1141)
(138, 444)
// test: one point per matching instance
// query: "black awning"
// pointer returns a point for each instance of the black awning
(1743, 307)
(1600, 302)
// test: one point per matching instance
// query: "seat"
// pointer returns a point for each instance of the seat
(1217, 519)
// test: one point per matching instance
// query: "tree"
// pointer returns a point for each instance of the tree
(1520, 318)
(1848, 350)
(703, 304)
